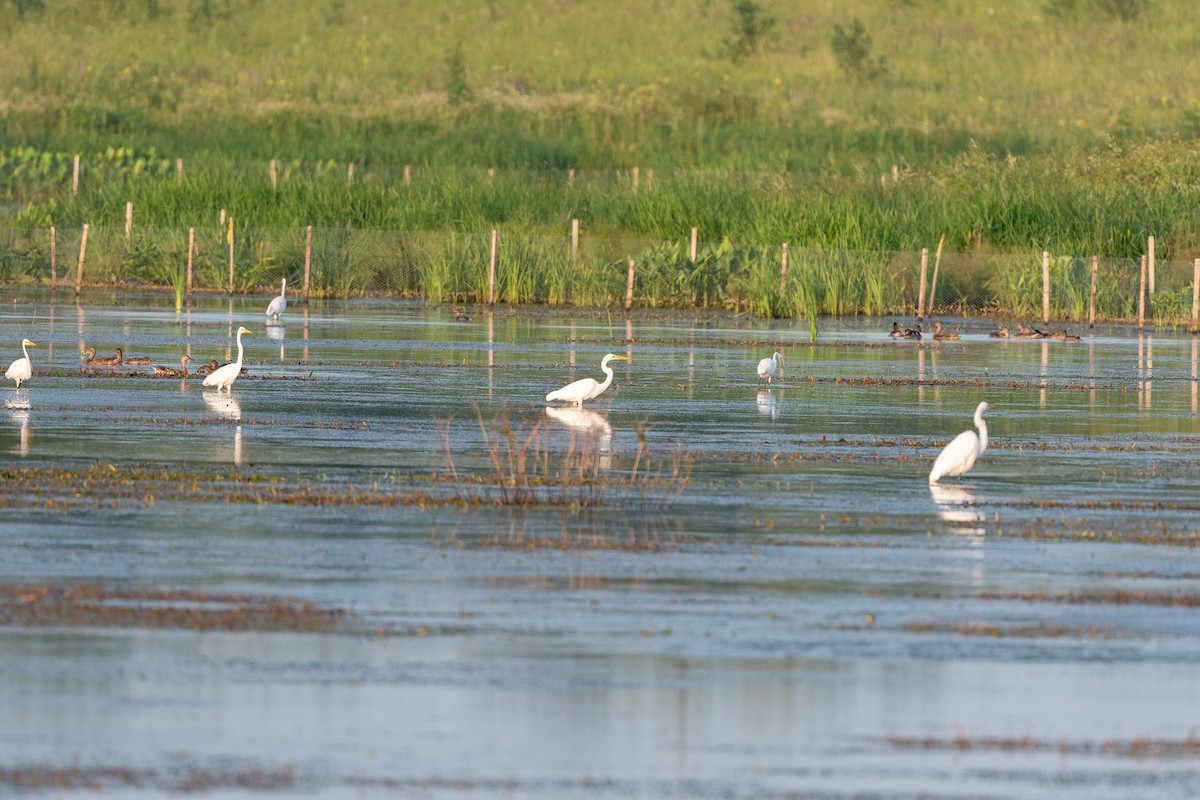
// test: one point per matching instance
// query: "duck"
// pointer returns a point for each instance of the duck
(461, 316)
(1000, 334)
(1028, 333)
(204, 369)
(139, 361)
(896, 332)
(1067, 337)
(909, 333)
(171, 372)
(943, 337)
(103, 361)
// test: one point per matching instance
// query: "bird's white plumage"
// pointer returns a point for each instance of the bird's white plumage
(279, 304)
(960, 455)
(21, 369)
(223, 377)
(769, 366)
(586, 388)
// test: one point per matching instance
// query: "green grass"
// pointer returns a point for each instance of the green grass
(1067, 125)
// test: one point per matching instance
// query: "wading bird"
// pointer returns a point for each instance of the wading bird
(943, 337)
(223, 377)
(769, 366)
(959, 456)
(586, 388)
(279, 304)
(171, 372)
(21, 369)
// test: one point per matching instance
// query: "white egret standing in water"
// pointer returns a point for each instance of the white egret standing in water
(279, 304)
(586, 388)
(959, 456)
(223, 377)
(768, 366)
(21, 369)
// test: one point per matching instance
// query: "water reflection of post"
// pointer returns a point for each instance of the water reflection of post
(629, 338)
(1194, 384)
(571, 352)
(306, 333)
(229, 334)
(187, 331)
(937, 390)
(1045, 373)
(920, 373)
(1149, 369)
(491, 355)
(692, 368)
(1141, 367)
(79, 315)
(1092, 371)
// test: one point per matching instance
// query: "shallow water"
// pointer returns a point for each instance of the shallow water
(795, 612)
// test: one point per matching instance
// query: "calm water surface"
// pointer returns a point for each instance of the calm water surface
(800, 616)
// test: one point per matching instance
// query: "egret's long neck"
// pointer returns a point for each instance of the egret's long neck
(25, 350)
(607, 371)
(239, 363)
(283, 287)
(979, 423)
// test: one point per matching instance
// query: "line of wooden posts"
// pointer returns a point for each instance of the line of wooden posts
(1146, 282)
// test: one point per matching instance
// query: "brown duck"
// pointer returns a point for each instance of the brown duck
(171, 372)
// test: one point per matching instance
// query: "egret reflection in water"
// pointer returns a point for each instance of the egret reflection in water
(592, 427)
(770, 404)
(956, 505)
(227, 407)
(18, 412)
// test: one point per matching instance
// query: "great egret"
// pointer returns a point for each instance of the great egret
(278, 305)
(943, 337)
(223, 377)
(21, 369)
(959, 456)
(1000, 334)
(768, 366)
(586, 388)
(171, 372)
(896, 332)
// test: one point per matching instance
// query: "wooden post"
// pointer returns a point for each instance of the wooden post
(921, 291)
(82, 251)
(629, 287)
(937, 262)
(649, 179)
(574, 239)
(75, 176)
(307, 260)
(191, 256)
(783, 259)
(1092, 299)
(635, 180)
(571, 177)
(53, 258)
(407, 175)
(1142, 297)
(492, 268)
(350, 172)
(1196, 296)
(692, 249)
(1045, 286)
(231, 255)
(1150, 256)
(179, 168)
(274, 176)
(222, 218)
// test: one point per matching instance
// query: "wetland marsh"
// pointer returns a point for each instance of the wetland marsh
(346, 581)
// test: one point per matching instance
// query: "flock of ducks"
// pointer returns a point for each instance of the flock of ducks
(1023, 332)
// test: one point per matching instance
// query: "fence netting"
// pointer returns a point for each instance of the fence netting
(590, 271)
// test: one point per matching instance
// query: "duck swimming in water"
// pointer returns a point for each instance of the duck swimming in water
(1000, 334)
(103, 361)
(943, 337)
(896, 332)
(909, 333)
(171, 372)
